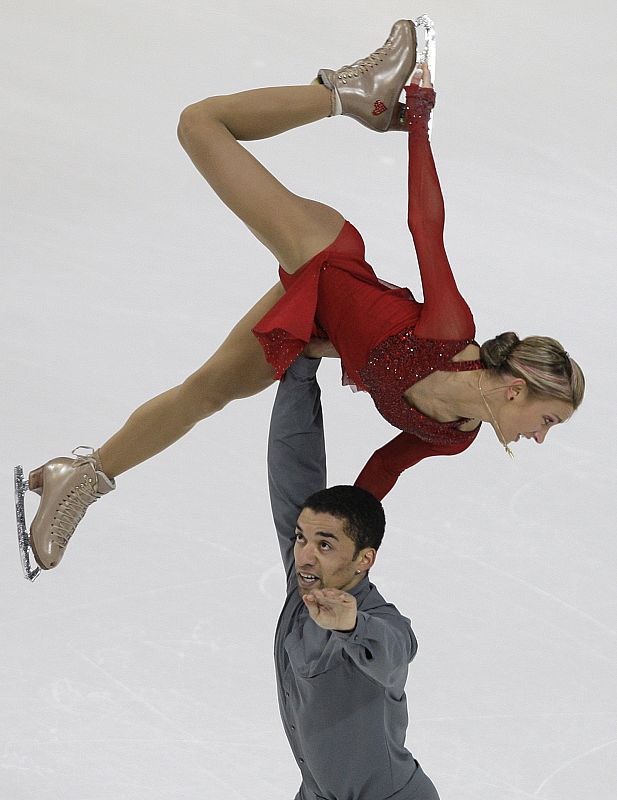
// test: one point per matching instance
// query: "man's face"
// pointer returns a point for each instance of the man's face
(324, 554)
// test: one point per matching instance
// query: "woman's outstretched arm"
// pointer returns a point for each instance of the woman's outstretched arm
(384, 467)
(445, 314)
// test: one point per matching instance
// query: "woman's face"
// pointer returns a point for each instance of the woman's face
(530, 417)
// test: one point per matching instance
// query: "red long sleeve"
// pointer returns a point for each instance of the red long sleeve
(383, 468)
(445, 314)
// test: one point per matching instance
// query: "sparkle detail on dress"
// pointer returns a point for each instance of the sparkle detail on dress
(398, 363)
(280, 349)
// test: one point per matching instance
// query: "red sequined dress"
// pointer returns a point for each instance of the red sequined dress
(387, 340)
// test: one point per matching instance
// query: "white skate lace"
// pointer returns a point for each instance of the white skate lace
(73, 506)
(364, 64)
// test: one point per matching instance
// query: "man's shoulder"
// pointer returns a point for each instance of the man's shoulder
(375, 607)
(375, 603)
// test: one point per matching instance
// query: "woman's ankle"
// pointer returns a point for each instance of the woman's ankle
(98, 462)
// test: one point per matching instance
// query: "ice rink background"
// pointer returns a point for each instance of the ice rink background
(141, 669)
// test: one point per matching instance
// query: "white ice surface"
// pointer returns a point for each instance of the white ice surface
(142, 668)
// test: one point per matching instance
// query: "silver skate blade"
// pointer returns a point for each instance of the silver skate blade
(427, 52)
(23, 539)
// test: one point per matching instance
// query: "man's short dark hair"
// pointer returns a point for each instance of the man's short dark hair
(362, 512)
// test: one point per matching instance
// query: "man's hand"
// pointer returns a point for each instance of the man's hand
(332, 609)
(320, 348)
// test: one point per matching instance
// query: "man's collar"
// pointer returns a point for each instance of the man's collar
(361, 588)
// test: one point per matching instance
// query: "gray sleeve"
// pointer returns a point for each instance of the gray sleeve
(296, 451)
(381, 647)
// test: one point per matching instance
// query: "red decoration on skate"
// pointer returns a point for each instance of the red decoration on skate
(379, 108)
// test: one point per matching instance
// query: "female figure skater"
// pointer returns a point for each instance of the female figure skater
(419, 361)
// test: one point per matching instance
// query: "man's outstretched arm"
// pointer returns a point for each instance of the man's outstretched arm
(296, 450)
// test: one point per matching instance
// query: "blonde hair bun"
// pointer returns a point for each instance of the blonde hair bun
(494, 353)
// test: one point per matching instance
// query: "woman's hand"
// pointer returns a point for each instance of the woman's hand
(320, 348)
(422, 75)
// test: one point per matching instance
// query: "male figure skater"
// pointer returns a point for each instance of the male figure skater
(341, 651)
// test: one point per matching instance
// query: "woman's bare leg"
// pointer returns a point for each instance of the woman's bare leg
(293, 228)
(237, 369)
(68, 487)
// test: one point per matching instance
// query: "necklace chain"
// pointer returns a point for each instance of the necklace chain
(500, 434)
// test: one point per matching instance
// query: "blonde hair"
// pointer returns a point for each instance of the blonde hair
(540, 361)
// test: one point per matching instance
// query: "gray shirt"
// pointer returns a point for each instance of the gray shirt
(341, 695)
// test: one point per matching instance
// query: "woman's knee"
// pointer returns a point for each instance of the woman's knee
(197, 116)
(203, 393)
(225, 377)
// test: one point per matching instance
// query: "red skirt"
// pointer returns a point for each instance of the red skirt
(335, 295)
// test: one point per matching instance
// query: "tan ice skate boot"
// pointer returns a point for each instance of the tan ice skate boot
(368, 90)
(67, 487)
